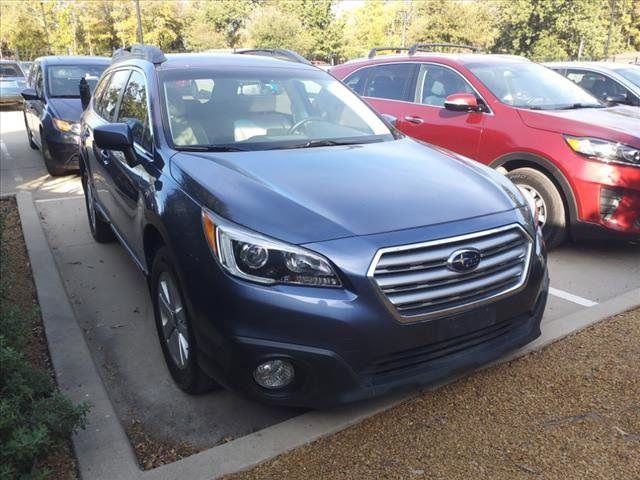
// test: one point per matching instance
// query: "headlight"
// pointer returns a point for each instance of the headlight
(65, 126)
(604, 150)
(254, 257)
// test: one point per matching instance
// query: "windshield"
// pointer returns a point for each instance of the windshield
(8, 70)
(631, 73)
(529, 85)
(63, 80)
(266, 110)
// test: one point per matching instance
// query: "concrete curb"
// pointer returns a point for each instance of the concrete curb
(103, 449)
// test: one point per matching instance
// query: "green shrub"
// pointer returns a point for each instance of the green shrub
(34, 417)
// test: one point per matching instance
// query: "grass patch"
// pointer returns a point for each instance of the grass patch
(36, 421)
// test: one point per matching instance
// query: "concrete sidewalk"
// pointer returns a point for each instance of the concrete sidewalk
(103, 449)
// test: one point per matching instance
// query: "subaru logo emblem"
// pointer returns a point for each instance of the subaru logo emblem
(464, 261)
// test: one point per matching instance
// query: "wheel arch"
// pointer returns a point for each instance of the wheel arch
(152, 241)
(516, 160)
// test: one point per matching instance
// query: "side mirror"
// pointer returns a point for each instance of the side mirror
(29, 94)
(390, 118)
(614, 99)
(85, 93)
(118, 137)
(113, 136)
(462, 102)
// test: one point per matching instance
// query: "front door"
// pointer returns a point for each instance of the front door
(426, 118)
(127, 181)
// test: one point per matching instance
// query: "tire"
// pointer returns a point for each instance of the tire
(549, 201)
(173, 323)
(29, 136)
(53, 168)
(100, 229)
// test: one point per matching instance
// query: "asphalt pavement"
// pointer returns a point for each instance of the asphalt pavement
(111, 303)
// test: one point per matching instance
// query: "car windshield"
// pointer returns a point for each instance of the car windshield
(529, 85)
(63, 80)
(9, 70)
(631, 73)
(216, 110)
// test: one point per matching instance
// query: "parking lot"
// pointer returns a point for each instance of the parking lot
(111, 304)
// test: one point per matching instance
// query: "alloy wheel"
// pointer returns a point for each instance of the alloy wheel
(538, 201)
(173, 319)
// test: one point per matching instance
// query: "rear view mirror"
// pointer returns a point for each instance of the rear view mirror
(29, 94)
(462, 102)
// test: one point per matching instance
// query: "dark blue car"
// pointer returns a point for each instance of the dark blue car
(52, 107)
(298, 248)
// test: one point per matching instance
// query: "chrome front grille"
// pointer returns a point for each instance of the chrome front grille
(416, 282)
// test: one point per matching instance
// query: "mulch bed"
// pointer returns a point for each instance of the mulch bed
(61, 463)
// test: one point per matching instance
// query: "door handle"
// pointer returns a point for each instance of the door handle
(104, 156)
(413, 119)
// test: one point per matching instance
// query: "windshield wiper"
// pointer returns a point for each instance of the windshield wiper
(209, 148)
(575, 106)
(331, 143)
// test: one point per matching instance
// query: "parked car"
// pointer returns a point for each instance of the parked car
(579, 161)
(52, 107)
(612, 83)
(297, 248)
(12, 82)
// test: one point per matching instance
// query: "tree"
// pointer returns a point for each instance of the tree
(222, 19)
(270, 27)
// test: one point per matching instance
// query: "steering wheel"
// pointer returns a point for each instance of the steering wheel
(301, 123)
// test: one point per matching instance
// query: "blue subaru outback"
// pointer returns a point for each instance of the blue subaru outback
(297, 247)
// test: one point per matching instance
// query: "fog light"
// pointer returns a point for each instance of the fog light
(274, 374)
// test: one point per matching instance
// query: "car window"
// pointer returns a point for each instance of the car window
(133, 110)
(530, 85)
(436, 83)
(356, 80)
(63, 80)
(38, 81)
(10, 70)
(98, 92)
(278, 109)
(112, 93)
(599, 85)
(389, 81)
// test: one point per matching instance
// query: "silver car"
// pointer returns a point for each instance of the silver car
(12, 82)
(613, 83)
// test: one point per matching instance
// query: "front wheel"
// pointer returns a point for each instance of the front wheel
(53, 168)
(548, 202)
(100, 228)
(174, 327)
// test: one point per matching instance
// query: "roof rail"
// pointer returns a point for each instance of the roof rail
(427, 47)
(374, 51)
(281, 53)
(151, 53)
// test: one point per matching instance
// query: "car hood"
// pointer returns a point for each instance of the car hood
(619, 123)
(66, 108)
(323, 193)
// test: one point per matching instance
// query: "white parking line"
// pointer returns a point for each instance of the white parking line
(572, 298)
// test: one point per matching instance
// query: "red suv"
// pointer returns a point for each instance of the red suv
(578, 160)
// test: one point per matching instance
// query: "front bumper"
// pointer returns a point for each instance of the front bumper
(345, 344)
(63, 147)
(608, 197)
